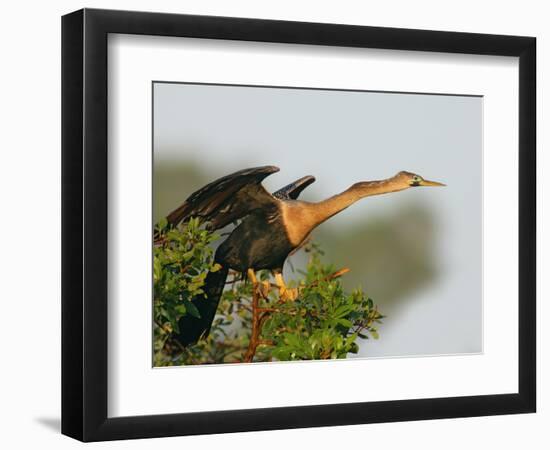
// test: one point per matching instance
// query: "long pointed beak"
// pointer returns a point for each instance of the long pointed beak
(431, 183)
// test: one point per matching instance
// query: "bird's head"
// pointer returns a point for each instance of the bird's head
(408, 179)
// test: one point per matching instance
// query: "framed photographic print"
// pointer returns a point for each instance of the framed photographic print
(272, 224)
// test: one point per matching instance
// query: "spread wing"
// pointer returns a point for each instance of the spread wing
(293, 190)
(229, 198)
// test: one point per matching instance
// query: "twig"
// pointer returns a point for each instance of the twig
(268, 310)
(332, 276)
(239, 304)
(256, 327)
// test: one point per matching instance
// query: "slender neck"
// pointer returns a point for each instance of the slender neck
(333, 205)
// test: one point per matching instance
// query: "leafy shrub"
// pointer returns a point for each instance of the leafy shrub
(254, 322)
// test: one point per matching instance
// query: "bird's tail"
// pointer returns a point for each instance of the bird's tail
(193, 328)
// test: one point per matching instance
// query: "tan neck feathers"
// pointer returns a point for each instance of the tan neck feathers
(333, 205)
(300, 218)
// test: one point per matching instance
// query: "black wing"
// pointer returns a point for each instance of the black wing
(228, 199)
(293, 190)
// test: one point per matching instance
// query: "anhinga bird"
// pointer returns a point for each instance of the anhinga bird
(271, 227)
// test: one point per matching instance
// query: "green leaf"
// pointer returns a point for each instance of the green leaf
(345, 322)
(157, 269)
(192, 309)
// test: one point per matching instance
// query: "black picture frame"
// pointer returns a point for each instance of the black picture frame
(84, 224)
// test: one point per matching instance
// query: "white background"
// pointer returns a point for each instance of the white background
(30, 189)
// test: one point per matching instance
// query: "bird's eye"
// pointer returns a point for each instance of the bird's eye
(416, 179)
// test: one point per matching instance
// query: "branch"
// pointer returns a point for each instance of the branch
(256, 326)
(332, 276)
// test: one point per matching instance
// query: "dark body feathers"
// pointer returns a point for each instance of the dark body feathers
(258, 242)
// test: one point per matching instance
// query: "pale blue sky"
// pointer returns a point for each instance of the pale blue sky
(345, 137)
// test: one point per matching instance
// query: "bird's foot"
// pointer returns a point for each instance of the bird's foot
(288, 294)
(265, 287)
(285, 293)
(261, 287)
(252, 276)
